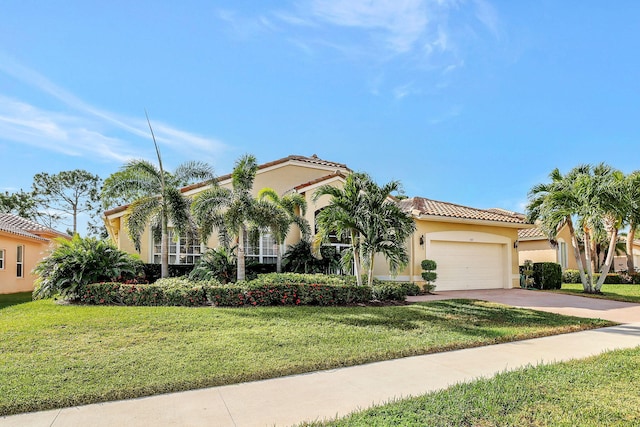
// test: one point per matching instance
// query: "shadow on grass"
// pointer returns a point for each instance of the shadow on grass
(467, 316)
(7, 300)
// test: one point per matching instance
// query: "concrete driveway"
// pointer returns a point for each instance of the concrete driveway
(570, 305)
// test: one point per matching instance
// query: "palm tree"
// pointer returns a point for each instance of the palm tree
(553, 204)
(632, 205)
(591, 194)
(386, 228)
(364, 212)
(342, 217)
(234, 212)
(292, 208)
(155, 198)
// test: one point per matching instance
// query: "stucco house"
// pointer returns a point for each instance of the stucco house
(474, 248)
(23, 243)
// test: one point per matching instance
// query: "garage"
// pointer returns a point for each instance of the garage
(469, 265)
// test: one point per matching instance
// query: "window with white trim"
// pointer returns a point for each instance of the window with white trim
(1, 259)
(185, 250)
(264, 252)
(562, 254)
(20, 261)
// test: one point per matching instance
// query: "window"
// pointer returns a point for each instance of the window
(20, 261)
(264, 253)
(185, 250)
(562, 254)
(1, 259)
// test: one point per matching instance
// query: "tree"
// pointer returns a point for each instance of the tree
(20, 204)
(362, 212)
(632, 214)
(68, 192)
(234, 212)
(593, 196)
(155, 198)
(386, 228)
(292, 209)
(342, 216)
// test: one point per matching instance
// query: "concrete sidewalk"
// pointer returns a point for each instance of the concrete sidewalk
(326, 394)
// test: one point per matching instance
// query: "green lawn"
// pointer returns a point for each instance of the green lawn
(7, 300)
(626, 293)
(599, 391)
(55, 355)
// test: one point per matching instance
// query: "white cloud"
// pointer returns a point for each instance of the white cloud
(83, 130)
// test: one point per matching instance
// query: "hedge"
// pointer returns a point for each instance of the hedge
(573, 276)
(547, 275)
(270, 289)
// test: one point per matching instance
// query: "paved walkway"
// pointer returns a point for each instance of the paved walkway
(326, 394)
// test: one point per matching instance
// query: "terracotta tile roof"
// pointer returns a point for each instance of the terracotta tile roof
(23, 227)
(318, 180)
(314, 159)
(532, 233)
(428, 207)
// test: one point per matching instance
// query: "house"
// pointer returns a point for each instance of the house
(474, 248)
(23, 243)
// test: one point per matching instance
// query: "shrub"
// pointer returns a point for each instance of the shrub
(389, 292)
(571, 276)
(298, 259)
(217, 264)
(429, 275)
(79, 261)
(547, 275)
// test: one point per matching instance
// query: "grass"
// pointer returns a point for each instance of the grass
(600, 391)
(55, 355)
(7, 300)
(625, 293)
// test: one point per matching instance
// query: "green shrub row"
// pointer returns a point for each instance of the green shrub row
(547, 275)
(573, 276)
(267, 290)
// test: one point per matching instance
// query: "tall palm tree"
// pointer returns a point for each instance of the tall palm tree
(292, 209)
(386, 228)
(154, 198)
(234, 211)
(343, 217)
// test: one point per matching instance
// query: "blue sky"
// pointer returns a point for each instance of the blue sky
(471, 102)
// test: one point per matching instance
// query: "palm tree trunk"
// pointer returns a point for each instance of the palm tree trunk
(588, 261)
(164, 251)
(356, 258)
(609, 260)
(576, 253)
(240, 253)
(370, 275)
(631, 268)
(278, 259)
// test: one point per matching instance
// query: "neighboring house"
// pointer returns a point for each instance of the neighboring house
(533, 244)
(474, 248)
(23, 243)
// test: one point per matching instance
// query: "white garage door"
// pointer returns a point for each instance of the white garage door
(465, 265)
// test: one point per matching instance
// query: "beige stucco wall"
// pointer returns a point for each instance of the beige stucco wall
(34, 251)
(426, 228)
(541, 250)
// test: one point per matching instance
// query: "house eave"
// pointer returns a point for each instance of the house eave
(437, 218)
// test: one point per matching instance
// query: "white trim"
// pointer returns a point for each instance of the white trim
(490, 223)
(320, 183)
(3, 259)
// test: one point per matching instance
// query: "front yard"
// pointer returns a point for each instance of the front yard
(55, 355)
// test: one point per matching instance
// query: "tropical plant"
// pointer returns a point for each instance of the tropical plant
(632, 214)
(429, 274)
(385, 227)
(155, 199)
(363, 213)
(234, 212)
(593, 196)
(299, 259)
(292, 208)
(80, 261)
(216, 263)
